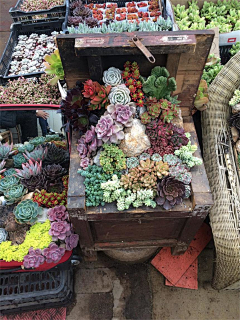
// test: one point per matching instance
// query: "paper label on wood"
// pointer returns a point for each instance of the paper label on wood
(88, 42)
(178, 39)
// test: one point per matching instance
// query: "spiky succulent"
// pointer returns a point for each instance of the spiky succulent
(26, 212)
(39, 154)
(5, 150)
(8, 182)
(170, 192)
(15, 193)
(56, 156)
(34, 182)
(37, 141)
(18, 160)
(29, 169)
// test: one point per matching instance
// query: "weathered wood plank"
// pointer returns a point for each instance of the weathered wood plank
(134, 244)
(173, 64)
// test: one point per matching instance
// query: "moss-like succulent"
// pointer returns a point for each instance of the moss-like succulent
(112, 159)
(26, 212)
(18, 160)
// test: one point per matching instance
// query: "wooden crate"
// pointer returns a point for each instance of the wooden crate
(184, 53)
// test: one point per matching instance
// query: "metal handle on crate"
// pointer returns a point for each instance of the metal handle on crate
(144, 50)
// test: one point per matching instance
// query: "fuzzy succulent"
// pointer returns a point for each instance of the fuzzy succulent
(119, 95)
(71, 241)
(112, 77)
(33, 259)
(3, 235)
(181, 173)
(122, 114)
(58, 213)
(5, 150)
(26, 212)
(39, 154)
(59, 230)
(53, 253)
(14, 193)
(29, 169)
(112, 159)
(8, 182)
(18, 160)
(97, 94)
(56, 155)
(170, 192)
(132, 162)
(34, 182)
(108, 130)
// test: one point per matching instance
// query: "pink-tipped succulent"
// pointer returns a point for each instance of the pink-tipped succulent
(58, 213)
(29, 169)
(33, 259)
(53, 253)
(2, 164)
(5, 150)
(107, 130)
(59, 230)
(71, 241)
(38, 154)
(122, 114)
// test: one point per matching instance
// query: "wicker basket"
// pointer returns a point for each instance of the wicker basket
(223, 177)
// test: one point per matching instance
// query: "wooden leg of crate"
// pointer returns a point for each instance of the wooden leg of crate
(89, 255)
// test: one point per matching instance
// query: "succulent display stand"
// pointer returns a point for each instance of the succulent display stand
(184, 54)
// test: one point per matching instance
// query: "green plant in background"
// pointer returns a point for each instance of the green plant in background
(235, 99)
(8, 182)
(26, 147)
(52, 137)
(38, 140)
(26, 211)
(201, 98)
(112, 158)
(211, 69)
(14, 193)
(53, 66)
(235, 47)
(18, 160)
(5, 150)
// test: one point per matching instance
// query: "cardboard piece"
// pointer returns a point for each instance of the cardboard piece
(215, 44)
(174, 267)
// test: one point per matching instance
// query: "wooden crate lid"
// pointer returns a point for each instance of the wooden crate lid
(184, 54)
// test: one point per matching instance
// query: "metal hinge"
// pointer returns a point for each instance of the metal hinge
(144, 50)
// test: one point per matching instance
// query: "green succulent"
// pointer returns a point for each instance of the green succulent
(5, 150)
(26, 147)
(53, 66)
(18, 160)
(8, 182)
(235, 48)
(38, 140)
(132, 162)
(26, 212)
(112, 159)
(235, 99)
(52, 137)
(38, 154)
(9, 172)
(14, 193)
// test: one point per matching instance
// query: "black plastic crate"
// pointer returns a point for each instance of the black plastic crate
(225, 54)
(54, 14)
(19, 29)
(24, 291)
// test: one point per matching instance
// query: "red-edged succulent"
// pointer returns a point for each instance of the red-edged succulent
(97, 93)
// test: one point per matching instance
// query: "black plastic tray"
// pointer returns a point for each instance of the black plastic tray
(19, 29)
(24, 291)
(225, 54)
(53, 14)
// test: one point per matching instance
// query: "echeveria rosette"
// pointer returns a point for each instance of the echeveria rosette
(82, 149)
(85, 162)
(8, 182)
(59, 230)
(97, 94)
(71, 241)
(122, 114)
(120, 95)
(53, 253)
(112, 77)
(107, 130)
(14, 193)
(34, 182)
(58, 213)
(3, 235)
(26, 211)
(170, 192)
(33, 259)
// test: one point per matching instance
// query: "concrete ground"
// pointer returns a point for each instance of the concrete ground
(107, 289)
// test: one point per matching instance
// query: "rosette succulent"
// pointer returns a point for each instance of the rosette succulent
(9, 172)
(112, 77)
(170, 192)
(132, 162)
(120, 95)
(97, 94)
(26, 147)
(38, 140)
(33, 259)
(5, 150)
(15, 193)
(29, 169)
(8, 182)
(58, 213)
(156, 157)
(107, 130)
(57, 156)
(3, 235)
(71, 241)
(26, 212)
(181, 173)
(34, 182)
(39, 154)
(53, 253)
(59, 230)
(53, 172)
(122, 114)
(18, 160)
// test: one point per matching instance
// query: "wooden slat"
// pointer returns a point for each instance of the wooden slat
(133, 244)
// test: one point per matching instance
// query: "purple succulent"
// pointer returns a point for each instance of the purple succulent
(82, 149)
(107, 130)
(122, 114)
(71, 241)
(33, 259)
(85, 163)
(58, 213)
(59, 230)
(90, 135)
(53, 253)
(93, 146)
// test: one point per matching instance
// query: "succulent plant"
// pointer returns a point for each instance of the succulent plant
(119, 95)
(50, 199)
(9, 172)
(107, 130)
(33, 259)
(170, 192)
(153, 107)
(8, 182)
(132, 162)
(26, 212)
(236, 98)
(112, 77)
(158, 84)
(39, 154)
(54, 186)
(171, 159)
(122, 114)
(112, 159)
(52, 137)
(26, 147)
(14, 193)
(2, 164)
(56, 156)
(71, 241)
(144, 156)
(53, 253)
(53, 172)
(162, 169)
(187, 192)
(145, 118)
(29, 169)
(59, 230)
(97, 94)
(3, 235)
(18, 160)
(156, 157)
(53, 66)
(34, 183)
(58, 213)
(38, 140)
(169, 110)
(5, 150)
(181, 173)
